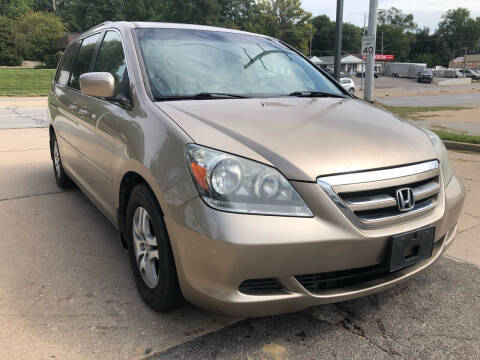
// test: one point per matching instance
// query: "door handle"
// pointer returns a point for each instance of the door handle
(73, 107)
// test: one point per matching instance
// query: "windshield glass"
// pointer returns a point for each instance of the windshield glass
(182, 62)
(427, 72)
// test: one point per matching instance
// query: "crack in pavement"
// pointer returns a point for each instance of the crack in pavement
(37, 195)
(20, 150)
(349, 325)
(38, 121)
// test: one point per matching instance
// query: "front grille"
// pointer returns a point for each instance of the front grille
(369, 198)
(265, 286)
(340, 279)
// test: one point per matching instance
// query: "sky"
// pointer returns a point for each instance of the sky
(426, 12)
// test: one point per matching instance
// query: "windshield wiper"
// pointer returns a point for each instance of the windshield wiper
(213, 95)
(200, 96)
(315, 94)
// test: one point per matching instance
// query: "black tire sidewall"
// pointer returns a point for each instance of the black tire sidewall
(166, 295)
(63, 181)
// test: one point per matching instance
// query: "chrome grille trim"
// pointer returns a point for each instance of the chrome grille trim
(368, 200)
(376, 175)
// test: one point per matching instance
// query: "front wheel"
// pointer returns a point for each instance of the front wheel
(150, 253)
(351, 90)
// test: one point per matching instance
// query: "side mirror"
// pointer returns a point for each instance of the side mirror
(98, 84)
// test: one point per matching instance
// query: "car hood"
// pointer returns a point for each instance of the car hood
(303, 137)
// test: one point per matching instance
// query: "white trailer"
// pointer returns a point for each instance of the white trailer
(407, 70)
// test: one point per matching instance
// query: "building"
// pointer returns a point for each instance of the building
(67, 39)
(350, 64)
(472, 62)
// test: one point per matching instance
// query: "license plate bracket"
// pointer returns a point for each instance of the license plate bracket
(410, 248)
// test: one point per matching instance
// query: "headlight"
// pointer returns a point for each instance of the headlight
(231, 183)
(437, 143)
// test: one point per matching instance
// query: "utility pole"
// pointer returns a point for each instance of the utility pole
(372, 31)
(465, 61)
(311, 38)
(338, 39)
(382, 42)
(363, 60)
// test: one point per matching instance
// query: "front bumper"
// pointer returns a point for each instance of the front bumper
(216, 251)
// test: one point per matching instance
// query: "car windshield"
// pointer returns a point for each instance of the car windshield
(183, 63)
(427, 72)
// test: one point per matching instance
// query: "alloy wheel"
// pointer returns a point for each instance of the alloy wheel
(56, 159)
(145, 247)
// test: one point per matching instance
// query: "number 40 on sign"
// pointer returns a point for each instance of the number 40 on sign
(368, 45)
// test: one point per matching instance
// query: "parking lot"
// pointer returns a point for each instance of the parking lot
(405, 92)
(67, 292)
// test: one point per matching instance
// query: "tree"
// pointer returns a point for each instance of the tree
(458, 30)
(37, 35)
(8, 53)
(397, 30)
(324, 38)
(15, 8)
(287, 21)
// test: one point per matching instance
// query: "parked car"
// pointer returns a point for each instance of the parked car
(426, 76)
(360, 74)
(239, 176)
(331, 71)
(470, 74)
(348, 85)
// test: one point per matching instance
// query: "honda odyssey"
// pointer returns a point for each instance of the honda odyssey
(240, 176)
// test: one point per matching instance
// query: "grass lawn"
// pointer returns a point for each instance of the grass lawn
(25, 82)
(445, 135)
(412, 111)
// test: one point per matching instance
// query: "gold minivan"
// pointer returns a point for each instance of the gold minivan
(240, 176)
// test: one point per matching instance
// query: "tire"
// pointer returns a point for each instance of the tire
(161, 292)
(62, 179)
(351, 90)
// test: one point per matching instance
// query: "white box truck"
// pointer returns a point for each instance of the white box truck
(407, 70)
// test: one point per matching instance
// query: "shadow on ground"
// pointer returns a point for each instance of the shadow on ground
(434, 316)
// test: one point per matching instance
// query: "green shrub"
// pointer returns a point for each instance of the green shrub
(8, 54)
(37, 35)
(10, 58)
(51, 61)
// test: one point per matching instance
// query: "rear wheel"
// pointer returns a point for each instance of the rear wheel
(150, 253)
(351, 90)
(62, 179)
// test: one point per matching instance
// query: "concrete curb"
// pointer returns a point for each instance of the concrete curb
(454, 145)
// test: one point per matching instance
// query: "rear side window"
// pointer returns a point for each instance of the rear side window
(111, 58)
(83, 60)
(65, 67)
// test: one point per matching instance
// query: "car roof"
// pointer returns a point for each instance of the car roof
(163, 25)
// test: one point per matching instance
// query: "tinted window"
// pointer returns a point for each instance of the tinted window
(65, 67)
(185, 62)
(84, 57)
(112, 59)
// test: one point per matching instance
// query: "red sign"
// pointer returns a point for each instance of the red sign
(379, 57)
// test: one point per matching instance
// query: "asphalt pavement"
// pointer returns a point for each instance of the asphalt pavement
(66, 290)
(461, 99)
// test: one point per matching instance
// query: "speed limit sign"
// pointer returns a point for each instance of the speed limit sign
(368, 45)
